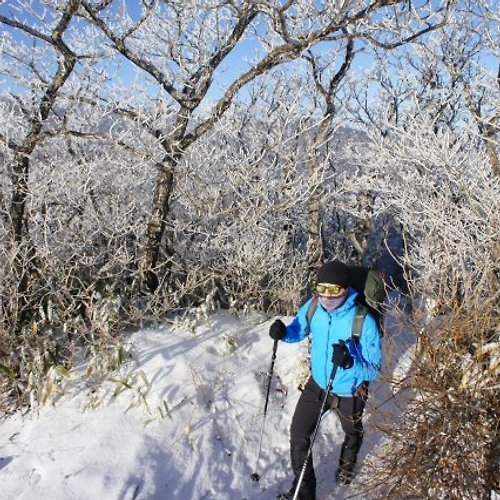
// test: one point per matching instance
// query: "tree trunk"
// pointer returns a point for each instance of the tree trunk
(314, 249)
(491, 149)
(20, 172)
(156, 225)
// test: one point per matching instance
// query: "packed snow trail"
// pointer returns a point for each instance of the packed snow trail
(185, 426)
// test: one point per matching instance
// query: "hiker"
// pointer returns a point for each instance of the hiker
(357, 361)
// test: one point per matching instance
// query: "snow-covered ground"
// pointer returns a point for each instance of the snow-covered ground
(181, 420)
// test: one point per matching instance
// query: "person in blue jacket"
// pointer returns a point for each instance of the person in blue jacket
(357, 364)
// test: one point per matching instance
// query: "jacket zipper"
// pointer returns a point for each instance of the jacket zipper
(327, 375)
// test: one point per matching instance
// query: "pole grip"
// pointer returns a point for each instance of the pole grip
(275, 348)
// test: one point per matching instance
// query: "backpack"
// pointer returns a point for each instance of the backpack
(371, 290)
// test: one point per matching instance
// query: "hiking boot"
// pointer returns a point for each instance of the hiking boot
(345, 474)
(307, 492)
(289, 494)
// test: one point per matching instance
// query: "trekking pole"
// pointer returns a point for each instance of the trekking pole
(313, 437)
(255, 476)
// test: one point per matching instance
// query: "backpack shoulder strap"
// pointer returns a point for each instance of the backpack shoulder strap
(310, 313)
(357, 323)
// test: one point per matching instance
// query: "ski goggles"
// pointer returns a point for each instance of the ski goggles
(327, 289)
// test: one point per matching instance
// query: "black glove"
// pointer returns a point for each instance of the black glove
(277, 330)
(341, 356)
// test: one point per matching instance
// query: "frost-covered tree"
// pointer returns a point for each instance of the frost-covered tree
(182, 47)
(438, 99)
(452, 73)
(242, 218)
(36, 58)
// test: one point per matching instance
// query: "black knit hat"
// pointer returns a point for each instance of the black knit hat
(334, 272)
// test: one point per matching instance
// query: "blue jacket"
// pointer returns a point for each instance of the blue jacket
(329, 328)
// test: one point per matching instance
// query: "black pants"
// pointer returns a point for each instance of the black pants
(307, 412)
